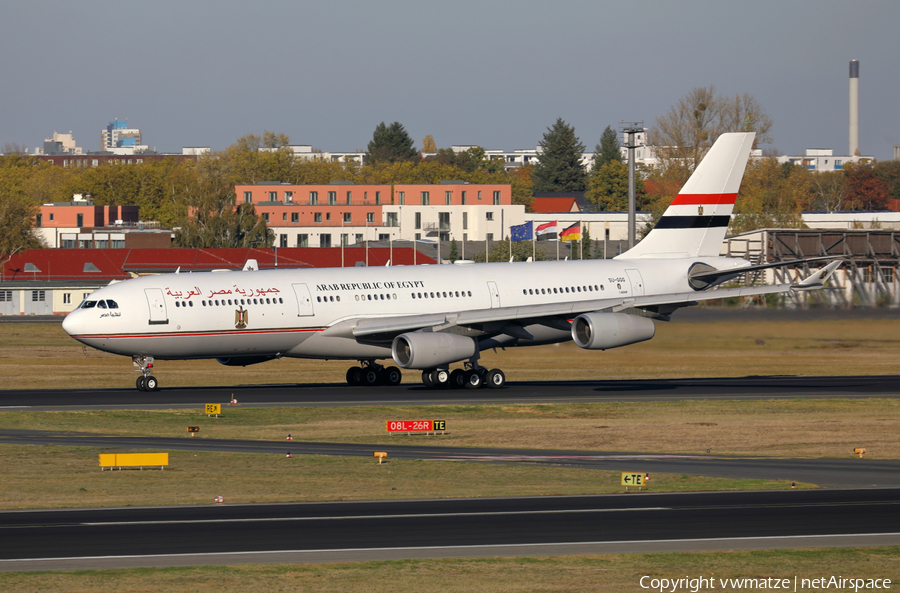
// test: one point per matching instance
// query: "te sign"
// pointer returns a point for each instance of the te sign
(633, 479)
(416, 425)
(213, 409)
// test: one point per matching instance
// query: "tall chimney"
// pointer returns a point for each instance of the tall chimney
(854, 107)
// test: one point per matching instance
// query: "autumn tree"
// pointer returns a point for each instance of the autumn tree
(390, 143)
(771, 196)
(559, 165)
(682, 136)
(827, 191)
(865, 190)
(17, 210)
(428, 144)
(608, 188)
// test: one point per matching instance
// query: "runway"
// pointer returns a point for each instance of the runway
(638, 390)
(854, 473)
(328, 532)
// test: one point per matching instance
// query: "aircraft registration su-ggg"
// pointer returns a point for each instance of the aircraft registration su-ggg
(428, 317)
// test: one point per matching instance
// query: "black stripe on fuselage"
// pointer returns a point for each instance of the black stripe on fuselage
(692, 222)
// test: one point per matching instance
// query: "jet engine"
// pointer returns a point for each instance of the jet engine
(242, 361)
(599, 331)
(424, 350)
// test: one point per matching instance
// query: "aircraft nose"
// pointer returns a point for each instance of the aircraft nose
(70, 323)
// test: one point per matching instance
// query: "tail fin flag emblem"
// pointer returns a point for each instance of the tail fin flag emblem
(712, 190)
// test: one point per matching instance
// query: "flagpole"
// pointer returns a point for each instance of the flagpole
(580, 241)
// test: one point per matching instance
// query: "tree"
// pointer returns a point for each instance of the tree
(521, 251)
(428, 144)
(608, 188)
(607, 150)
(454, 251)
(864, 189)
(827, 191)
(682, 137)
(16, 215)
(771, 196)
(228, 227)
(559, 165)
(390, 143)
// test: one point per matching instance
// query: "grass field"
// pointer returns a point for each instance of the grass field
(786, 428)
(619, 573)
(68, 477)
(41, 355)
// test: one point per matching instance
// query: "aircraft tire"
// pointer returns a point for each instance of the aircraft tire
(474, 379)
(140, 383)
(458, 379)
(495, 379)
(427, 379)
(371, 377)
(392, 376)
(354, 376)
(150, 383)
(441, 378)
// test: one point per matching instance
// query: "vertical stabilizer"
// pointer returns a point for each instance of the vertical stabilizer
(696, 221)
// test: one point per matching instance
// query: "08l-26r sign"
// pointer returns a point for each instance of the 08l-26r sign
(416, 425)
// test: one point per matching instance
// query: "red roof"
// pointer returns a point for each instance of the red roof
(115, 264)
(551, 205)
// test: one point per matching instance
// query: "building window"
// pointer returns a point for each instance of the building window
(444, 221)
(465, 221)
(302, 240)
(317, 217)
(38, 296)
(425, 199)
(282, 241)
(38, 220)
(464, 198)
(273, 196)
(448, 198)
(418, 236)
(391, 219)
(402, 197)
(378, 198)
(288, 197)
(384, 237)
(349, 198)
(117, 243)
(347, 217)
(325, 240)
(444, 237)
(418, 220)
(313, 198)
(359, 238)
(51, 217)
(332, 198)
(284, 216)
(328, 216)
(79, 220)
(489, 236)
(479, 195)
(266, 216)
(68, 244)
(248, 197)
(496, 198)
(101, 244)
(295, 217)
(5, 296)
(345, 239)
(489, 216)
(370, 217)
(465, 237)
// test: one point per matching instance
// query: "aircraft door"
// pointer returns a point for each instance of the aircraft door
(495, 294)
(157, 305)
(304, 301)
(637, 282)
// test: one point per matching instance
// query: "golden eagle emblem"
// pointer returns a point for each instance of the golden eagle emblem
(240, 318)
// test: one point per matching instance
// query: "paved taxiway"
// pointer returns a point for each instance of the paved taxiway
(824, 472)
(319, 532)
(640, 390)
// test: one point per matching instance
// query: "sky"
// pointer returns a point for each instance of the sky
(492, 73)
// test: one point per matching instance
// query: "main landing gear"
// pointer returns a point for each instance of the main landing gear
(372, 373)
(146, 382)
(472, 376)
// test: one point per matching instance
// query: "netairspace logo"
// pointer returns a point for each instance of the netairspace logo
(695, 584)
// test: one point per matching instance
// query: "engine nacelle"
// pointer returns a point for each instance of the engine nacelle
(599, 331)
(242, 361)
(425, 350)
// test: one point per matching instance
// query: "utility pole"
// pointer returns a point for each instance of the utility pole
(630, 129)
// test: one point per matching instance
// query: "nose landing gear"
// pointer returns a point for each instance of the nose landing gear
(146, 382)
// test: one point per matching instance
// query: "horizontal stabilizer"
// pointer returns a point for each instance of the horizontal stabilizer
(817, 279)
(703, 279)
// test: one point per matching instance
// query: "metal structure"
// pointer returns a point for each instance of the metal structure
(630, 129)
(868, 277)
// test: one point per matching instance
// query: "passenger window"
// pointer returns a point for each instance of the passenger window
(191, 303)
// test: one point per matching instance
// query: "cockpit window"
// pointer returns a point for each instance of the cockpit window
(112, 304)
(89, 304)
(101, 304)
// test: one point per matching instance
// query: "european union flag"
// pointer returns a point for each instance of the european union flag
(522, 232)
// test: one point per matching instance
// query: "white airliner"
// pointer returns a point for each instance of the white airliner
(428, 317)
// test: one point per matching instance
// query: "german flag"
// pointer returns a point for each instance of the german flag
(573, 233)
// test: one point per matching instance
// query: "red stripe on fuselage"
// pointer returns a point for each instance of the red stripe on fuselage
(703, 199)
(196, 334)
